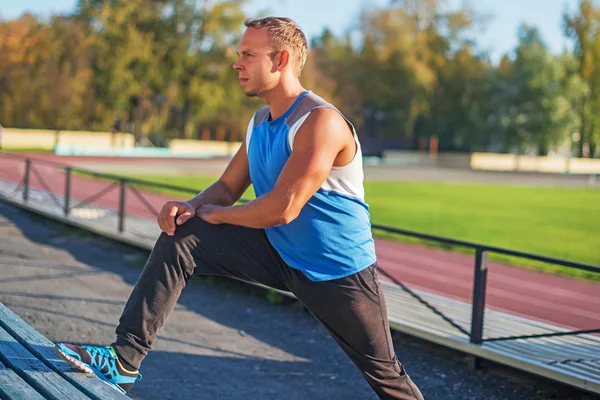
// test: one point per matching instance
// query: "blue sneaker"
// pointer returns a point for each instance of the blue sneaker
(102, 361)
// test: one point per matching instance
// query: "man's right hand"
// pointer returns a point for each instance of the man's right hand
(171, 210)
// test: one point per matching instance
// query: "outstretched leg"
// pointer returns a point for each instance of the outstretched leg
(353, 311)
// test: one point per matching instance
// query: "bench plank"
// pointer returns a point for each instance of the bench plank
(33, 371)
(43, 349)
(544, 354)
(580, 369)
(12, 387)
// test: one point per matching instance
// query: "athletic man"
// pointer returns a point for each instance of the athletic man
(307, 232)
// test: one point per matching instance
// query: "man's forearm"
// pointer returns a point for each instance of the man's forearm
(217, 193)
(263, 212)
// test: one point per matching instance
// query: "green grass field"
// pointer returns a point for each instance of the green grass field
(558, 222)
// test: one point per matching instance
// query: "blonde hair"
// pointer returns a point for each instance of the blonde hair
(284, 34)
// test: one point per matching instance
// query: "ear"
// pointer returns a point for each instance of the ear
(283, 60)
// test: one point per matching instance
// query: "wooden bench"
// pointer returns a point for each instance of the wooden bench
(31, 370)
(570, 359)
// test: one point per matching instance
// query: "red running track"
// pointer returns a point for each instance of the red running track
(557, 300)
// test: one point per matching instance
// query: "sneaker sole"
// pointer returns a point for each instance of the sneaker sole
(86, 368)
(73, 362)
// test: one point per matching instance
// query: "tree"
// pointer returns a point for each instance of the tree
(402, 74)
(402, 83)
(165, 62)
(462, 102)
(23, 46)
(584, 28)
(535, 109)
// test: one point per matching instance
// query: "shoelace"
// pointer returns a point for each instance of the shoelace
(105, 357)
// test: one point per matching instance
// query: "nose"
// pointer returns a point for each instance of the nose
(238, 66)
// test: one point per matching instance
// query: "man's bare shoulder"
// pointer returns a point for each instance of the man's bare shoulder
(326, 120)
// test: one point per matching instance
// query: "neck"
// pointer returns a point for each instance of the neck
(281, 97)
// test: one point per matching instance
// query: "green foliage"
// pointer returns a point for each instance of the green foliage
(402, 73)
(584, 28)
(538, 95)
(154, 67)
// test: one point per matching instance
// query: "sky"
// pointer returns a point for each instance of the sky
(498, 37)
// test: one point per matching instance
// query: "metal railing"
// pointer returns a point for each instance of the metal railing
(480, 279)
(481, 251)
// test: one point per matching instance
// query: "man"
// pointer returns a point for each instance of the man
(307, 232)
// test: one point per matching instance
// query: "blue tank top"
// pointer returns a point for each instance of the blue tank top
(331, 237)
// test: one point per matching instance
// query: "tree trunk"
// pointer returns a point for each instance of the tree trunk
(582, 135)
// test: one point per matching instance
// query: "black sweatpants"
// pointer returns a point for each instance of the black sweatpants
(352, 309)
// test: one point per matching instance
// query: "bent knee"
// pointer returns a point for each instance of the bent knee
(193, 226)
(189, 232)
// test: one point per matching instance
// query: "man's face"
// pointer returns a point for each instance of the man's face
(257, 63)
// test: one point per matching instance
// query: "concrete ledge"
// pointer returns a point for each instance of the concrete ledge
(584, 166)
(550, 164)
(48, 139)
(208, 147)
(112, 234)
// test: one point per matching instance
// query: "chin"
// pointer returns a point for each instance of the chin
(255, 92)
